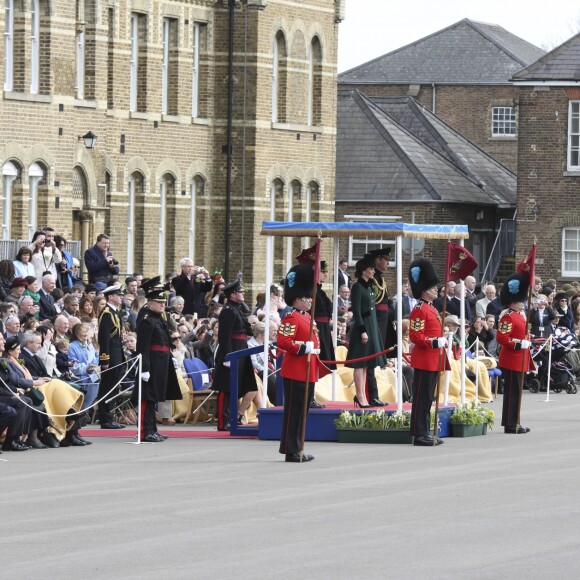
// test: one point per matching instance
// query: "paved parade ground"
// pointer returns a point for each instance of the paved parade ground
(483, 507)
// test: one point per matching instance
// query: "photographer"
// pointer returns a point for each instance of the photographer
(100, 263)
(192, 284)
(45, 255)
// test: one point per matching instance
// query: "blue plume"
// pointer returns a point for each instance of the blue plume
(514, 286)
(291, 279)
(415, 272)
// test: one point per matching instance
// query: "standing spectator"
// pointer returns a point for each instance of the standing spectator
(66, 265)
(344, 298)
(454, 304)
(470, 294)
(408, 300)
(99, 260)
(45, 254)
(22, 265)
(131, 286)
(192, 284)
(342, 277)
(540, 317)
(561, 306)
(494, 307)
(481, 305)
(492, 346)
(47, 304)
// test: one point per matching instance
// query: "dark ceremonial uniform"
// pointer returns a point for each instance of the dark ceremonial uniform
(427, 362)
(323, 316)
(233, 334)
(513, 360)
(293, 333)
(110, 355)
(154, 345)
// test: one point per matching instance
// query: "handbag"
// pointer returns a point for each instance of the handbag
(35, 396)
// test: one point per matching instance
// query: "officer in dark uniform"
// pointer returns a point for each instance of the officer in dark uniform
(385, 315)
(111, 354)
(158, 378)
(233, 334)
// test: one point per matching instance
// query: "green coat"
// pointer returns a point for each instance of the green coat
(362, 299)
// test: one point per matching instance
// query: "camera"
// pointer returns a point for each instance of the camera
(115, 262)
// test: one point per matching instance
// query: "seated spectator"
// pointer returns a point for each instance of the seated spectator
(30, 324)
(63, 363)
(481, 305)
(479, 331)
(70, 305)
(32, 290)
(7, 275)
(259, 330)
(47, 302)
(27, 309)
(492, 346)
(90, 291)
(86, 307)
(12, 327)
(58, 296)
(22, 264)
(201, 345)
(17, 289)
(344, 298)
(84, 363)
(61, 327)
(47, 351)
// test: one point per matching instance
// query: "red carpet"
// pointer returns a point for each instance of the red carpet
(179, 433)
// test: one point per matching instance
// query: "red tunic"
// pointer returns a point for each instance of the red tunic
(511, 331)
(424, 330)
(293, 334)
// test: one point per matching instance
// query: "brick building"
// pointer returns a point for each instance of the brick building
(150, 79)
(549, 162)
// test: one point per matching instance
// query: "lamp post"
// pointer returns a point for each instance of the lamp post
(90, 140)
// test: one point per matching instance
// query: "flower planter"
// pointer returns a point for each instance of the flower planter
(459, 430)
(396, 436)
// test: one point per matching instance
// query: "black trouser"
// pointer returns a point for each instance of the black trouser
(424, 383)
(109, 379)
(21, 423)
(511, 397)
(372, 387)
(294, 393)
(7, 418)
(148, 422)
(223, 411)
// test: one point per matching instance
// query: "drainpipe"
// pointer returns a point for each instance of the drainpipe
(229, 141)
(433, 99)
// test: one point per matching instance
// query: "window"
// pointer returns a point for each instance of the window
(111, 60)
(8, 45)
(197, 190)
(10, 173)
(136, 189)
(195, 72)
(503, 122)
(279, 79)
(571, 252)
(166, 188)
(574, 136)
(36, 176)
(314, 83)
(138, 66)
(80, 84)
(169, 80)
(34, 46)
(134, 65)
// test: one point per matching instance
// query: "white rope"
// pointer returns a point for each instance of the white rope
(69, 415)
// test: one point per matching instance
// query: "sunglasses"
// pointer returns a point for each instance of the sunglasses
(175, 337)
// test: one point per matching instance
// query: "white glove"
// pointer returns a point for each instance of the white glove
(145, 376)
(315, 351)
(441, 342)
(525, 344)
(309, 347)
(227, 364)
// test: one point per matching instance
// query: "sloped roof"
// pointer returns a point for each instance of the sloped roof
(561, 64)
(466, 52)
(391, 149)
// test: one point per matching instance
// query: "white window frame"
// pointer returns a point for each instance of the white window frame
(34, 46)
(35, 175)
(310, 121)
(131, 225)
(9, 45)
(192, 218)
(573, 136)
(165, 66)
(9, 175)
(502, 120)
(162, 225)
(565, 271)
(80, 64)
(275, 79)
(133, 80)
(195, 71)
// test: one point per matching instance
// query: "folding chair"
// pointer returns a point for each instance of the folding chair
(199, 395)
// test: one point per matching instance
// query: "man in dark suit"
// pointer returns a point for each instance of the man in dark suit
(99, 260)
(407, 300)
(342, 278)
(47, 307)
(110, 354)
(454, 305)
(192, 284)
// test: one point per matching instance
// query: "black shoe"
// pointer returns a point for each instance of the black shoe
(49, 440)
(226, 427)
(35, 444)
(14, 446)
(160, 435)
(426, 441)
(518, 429)
(151, 438)
(378, 403)
(84, 441)
(296, 458)
(316, 405)
(112, 425)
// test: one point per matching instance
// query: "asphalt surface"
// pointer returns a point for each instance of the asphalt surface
(481, 507)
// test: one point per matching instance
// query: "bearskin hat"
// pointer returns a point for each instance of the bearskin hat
(422, 277)
(515, 288)
(298, 283)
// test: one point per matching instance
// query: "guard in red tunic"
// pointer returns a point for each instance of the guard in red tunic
(427, 358)
(295, 340)
(515, 356)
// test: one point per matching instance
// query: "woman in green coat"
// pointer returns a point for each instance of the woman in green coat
(365, 338)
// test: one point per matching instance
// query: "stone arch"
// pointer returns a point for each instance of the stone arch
(199, 168)
(14, 151)
(316, 30)
(279, 25)
(297, 40)
(83, 159)
(168, 166)
(42, 154)
(137, 163)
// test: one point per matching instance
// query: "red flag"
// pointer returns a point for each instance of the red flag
(312, 256)
(460, 263)
(529, 265)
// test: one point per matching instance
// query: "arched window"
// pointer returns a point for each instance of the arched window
(80, 189)
(313, 201)
(36, 177)
(8, 45)
(278, 212)
(197, 190)
(34, 46)
(279, 69)
(136, 190)
(10, 173)
(166, 189)
(315, 83)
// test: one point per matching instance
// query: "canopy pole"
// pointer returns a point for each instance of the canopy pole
(399, 375)
(269, 276)
(335, 261)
